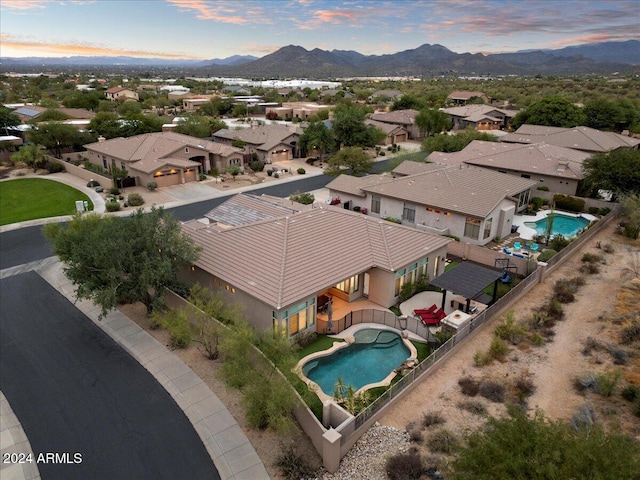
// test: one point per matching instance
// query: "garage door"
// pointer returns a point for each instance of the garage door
(190, 175)
(280, 156)
(401, 138)
(167, 178)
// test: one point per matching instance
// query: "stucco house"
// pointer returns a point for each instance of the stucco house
(463, 97)
(400, 118)
(579, 138)
(558, 168)
(390, 95)
(479, 117)
(167, 158)
(394, 133)
(471, 203)
(271, 143)
(121, 94)
(314, 253)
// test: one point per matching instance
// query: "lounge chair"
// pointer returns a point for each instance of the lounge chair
(431, 309)
(430, 320)
(517, 246)
(507, 250)
(534, 247)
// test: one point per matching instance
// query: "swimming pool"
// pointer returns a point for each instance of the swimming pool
(369, 359)
(564, 225)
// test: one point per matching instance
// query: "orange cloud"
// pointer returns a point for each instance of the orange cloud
(24, 4)
(208, 11)
(597, 37)
(335, 16)
(45, 49)
(260, 48)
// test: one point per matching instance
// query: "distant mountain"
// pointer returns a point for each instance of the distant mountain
(622, 52)
(426, 60)
(295, 61)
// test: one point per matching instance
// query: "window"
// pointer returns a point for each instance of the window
(399, 281)
(472, 228)
(375, 203)
(409, 212)
(422, 266)
(123, 166)
(350, 285)
(487, 228)
(104, 162)
(296, 319)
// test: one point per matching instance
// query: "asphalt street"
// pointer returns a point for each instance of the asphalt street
(75, 391)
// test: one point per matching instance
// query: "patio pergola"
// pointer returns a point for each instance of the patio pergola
(468, 280)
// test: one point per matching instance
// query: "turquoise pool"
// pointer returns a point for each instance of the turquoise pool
(370, 359)
(562, 225)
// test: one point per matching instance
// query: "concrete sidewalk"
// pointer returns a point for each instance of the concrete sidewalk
(230, 449)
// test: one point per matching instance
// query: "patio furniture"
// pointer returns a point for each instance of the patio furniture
(534, 247)
(429, 310)
(507, 250)
(517, 246)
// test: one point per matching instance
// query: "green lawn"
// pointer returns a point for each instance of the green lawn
(30, 198)
(323, 342)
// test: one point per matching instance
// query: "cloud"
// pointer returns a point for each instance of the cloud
(237, 13)
(260, 48)
(24, 4)
(60, 49)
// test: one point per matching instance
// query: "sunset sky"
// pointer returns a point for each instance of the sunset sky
(206, 29)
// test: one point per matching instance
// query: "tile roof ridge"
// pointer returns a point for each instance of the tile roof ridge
(283, 265)
(386, 245)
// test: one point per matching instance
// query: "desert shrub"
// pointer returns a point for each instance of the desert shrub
(498, 349)
(546, 255)
(415, 435)
(608, 248)
(607, 382)
(591, 258)
(268, 402)
(301, 171)
(554, 309)
(589, 269)
(523, 387)
(536, 202)
(585, 381)
(636, 407)
(618, 355)
(509, 330)
(480, 358)
(558, 242)
(178, 326)
(432, 418)
(257, 166)
(276, 175)
(112, 206)
(293, 465)
(114, 191)
(214, 172)
(442, 441)
(569, 203)
(630, 393)
(303, 198)
(630, 332)
(202, 176)
(593, 210)
(564, 291)
(604, 211)
(151, 186)
(590, 344)
(542, 188)
(473, 406)
(305, 338)
(469, 386)
(492, 391)
(583, 419)
(135, 200)
(405, 466)
(454, 237)
(392, 220)
(54, 167)
(519, 446)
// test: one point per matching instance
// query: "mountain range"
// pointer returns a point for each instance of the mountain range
(426, 60)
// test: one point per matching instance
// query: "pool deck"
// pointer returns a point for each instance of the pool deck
(528, 233)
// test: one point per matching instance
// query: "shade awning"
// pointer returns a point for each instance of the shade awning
(467, 279)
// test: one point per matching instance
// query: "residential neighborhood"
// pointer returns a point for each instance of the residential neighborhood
(346, 257)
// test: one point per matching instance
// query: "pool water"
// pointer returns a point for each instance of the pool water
(562, 225)
(373, 356)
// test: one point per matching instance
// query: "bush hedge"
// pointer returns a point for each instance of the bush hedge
(569, 203)
(135, 200)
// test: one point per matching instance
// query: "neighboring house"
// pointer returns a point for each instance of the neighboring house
(400, 118)
(194, 102)
(479, 117)
(311, 253)
(558, 168)
(333, 92)
(31, 112)
(271, 143)
(472, 203)
(167, 158)
(391, 95)
(579, 138)
(121, 94)
(299, 110)
(394, 133)
(462, 97)
(236, 90)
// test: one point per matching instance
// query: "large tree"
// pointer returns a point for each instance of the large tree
(603, 114)
(8, 118)
(351, 160)
(31, 155)
(552, 112)
(454, 143)
(317, 136)
(617, 171)
(349, 128)
(56, 137)
(116, 260)
(431, 122)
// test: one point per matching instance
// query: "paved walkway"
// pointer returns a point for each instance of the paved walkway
(230, 449)
(14, 441)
